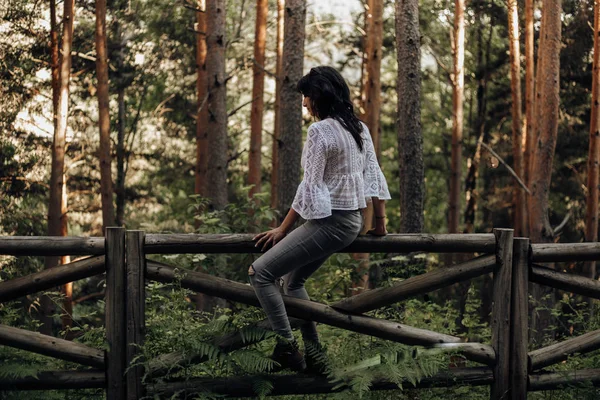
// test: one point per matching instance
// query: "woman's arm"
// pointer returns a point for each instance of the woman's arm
(270, 238)
(379, 211)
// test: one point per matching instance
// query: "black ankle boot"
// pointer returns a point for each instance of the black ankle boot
(287, 355)
(316, 358)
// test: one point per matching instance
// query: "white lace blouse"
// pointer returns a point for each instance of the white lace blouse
(337, 175)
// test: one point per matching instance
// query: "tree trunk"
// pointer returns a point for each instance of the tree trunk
(457, 114)
(57, 208)
(591, 214)
(519, 198)
(217, 103)
(363, 64)
(120, 184)
(481, 74)
(106, 185)
(529, 96)
(373, 71)
(410, 140)
(546, 131)
(119, 61)
(290, 142)
(277, 124)
(258, 84)
(202, 108)
(547, 126)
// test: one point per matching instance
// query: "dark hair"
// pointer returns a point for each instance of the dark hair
(330, 98)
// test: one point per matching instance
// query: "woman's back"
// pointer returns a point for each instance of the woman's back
(337, 174)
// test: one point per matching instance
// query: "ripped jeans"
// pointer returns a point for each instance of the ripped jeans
(297, 256)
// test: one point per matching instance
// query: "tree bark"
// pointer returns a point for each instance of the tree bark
(547, 126)
(593, 164)
(410, 139)
(277, 124)
(202, 108)
(119, 58)
(457, 114)
(120, 184)
(106, 185)
(481, 74)
(529, 95)
(519, 198)
(290, 142)
(258, 84)
(57, 207)
(217, 103)
(373, 71)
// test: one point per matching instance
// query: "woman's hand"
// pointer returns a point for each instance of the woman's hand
(379, 229)
(269, 238)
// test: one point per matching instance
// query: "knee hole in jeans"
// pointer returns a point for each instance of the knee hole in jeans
(251, 271)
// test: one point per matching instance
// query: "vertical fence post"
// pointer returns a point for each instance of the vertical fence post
(115, 313)
(136, 270)
(500, 320)
(519, 322)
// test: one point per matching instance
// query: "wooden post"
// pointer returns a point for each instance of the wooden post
(519, 319)
(115, 313)
(136, 266)
(500, 322)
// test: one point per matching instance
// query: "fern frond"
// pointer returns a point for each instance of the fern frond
(262, 387)
(253, 361)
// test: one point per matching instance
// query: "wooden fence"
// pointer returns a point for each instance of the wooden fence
(506, 365)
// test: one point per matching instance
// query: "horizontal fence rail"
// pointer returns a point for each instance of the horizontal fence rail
(392, 243)
(55, 380)
(51, 246)
(556, 252)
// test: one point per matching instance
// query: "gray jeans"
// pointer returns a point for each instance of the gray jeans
(296, 257)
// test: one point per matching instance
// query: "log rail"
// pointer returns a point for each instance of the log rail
(508, 368)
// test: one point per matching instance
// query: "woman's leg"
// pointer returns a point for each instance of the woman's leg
(311, 242)
(294, 286)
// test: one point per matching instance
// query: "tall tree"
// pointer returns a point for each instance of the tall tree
(57, 212)
(458, 87)
(217, 103)
(106, 185)
(410, 139)
(202, 97)
(290, 142)
(258, 84)
(373, 57)
(593, 164)
(529, 94)
(277, 123)
(547, 122)
(120, 82)
(519, 200)
(479, 129)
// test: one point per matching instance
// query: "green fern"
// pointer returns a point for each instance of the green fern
(252, 361)
(262, 387)
(254, 334)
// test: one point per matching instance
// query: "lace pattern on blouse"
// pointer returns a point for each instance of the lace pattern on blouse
(337, 175)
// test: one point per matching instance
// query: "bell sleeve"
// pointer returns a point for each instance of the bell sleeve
(374, 180)
(312, 200)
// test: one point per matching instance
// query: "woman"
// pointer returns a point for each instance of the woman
(341, 174)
